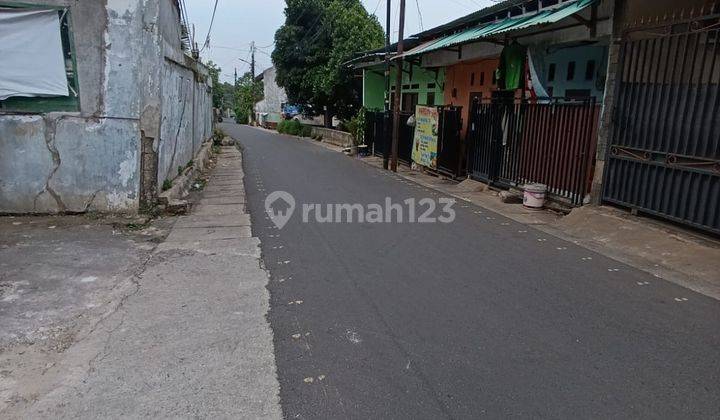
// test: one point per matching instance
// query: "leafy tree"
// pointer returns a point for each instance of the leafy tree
(218, 90)
(317, 38)
(247, 92)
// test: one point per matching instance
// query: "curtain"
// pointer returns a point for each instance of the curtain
(31, 54)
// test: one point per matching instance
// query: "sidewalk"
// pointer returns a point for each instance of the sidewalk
(668, 252)
(186, 338)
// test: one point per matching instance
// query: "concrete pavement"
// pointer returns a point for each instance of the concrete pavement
(486, 316)
(189, 337)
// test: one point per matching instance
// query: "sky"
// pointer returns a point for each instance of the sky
(240, 22)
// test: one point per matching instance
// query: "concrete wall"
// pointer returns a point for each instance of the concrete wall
(273, 97)
(91, 159)
(186, 100)
(336, 137)
(374, 88)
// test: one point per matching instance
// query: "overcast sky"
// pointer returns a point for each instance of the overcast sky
(238, 22)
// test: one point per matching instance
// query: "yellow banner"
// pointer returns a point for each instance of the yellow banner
(426, 136)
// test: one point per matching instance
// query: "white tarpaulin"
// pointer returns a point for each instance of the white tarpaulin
(31, 54)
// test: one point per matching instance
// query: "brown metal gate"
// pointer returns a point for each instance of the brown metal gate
(664, 155)
(550, 141)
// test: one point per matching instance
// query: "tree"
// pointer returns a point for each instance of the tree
(218, 90)
(247, 92)
(310, 48)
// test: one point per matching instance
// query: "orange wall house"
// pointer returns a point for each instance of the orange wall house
(464, 81)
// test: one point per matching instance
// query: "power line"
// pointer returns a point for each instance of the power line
(212, 20)
(417, 3)
(376, 6)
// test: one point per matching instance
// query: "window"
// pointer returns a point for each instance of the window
(494, 78)
(431, 85)
(551, 73)
(590, 70)
(430, 99)
(482, 78)
(454, 93)
(415, 86)
(57, 70)
(472, 79)
(571, 70)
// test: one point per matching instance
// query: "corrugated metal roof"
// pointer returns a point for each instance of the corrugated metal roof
(542, 17)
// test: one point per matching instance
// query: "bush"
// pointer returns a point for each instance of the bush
(167, 184)
(306, 131)
(218, 136)
(241, 116)
(356, 127)
(291, 127)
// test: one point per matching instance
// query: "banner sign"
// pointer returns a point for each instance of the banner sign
(426, 136)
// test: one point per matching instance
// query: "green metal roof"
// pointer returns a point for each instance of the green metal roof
(542, 17)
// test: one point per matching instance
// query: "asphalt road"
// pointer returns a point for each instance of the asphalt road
(480, 317)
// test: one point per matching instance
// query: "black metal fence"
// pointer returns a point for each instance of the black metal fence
(378, 134)
(664, 154)
(550, 141)
(451, 150)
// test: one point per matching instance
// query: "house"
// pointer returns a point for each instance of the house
(600, 100)
(100, 103)
(269, 111)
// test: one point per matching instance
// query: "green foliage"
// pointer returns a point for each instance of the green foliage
(167, 184)
(218, 136)
(240, 97)
(294, 128)
(248, 91)
(306, 131)
(190, 163)
(356, 127)
(180, 170)
(317, 38)
(217, 89)
(291, 127)
(242, 115)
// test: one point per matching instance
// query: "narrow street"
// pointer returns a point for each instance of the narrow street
(483, 316)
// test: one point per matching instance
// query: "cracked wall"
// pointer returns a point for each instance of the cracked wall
(91, 160)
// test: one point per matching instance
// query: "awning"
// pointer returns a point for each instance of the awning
(487, 30)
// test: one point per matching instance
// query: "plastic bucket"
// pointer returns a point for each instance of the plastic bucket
(534, 197)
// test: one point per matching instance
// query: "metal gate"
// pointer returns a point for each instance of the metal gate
(378, 134)
(550, 141)
(450, 151)
(664, 154)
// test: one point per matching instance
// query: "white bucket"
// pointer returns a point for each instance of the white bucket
(534, 196)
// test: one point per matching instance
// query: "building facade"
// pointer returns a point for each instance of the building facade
(268, 111)
(136, 107)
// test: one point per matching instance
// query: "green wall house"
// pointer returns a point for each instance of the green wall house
(420, 86)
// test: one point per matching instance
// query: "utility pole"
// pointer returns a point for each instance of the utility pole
(252, 81)
(386, 144)
(398, 90)
(252, 60)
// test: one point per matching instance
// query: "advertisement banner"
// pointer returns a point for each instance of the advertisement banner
(424, 150)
